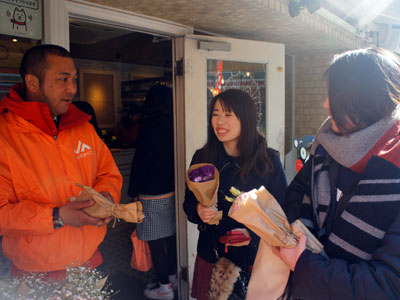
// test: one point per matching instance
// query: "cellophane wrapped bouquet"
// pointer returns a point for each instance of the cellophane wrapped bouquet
(203, 180)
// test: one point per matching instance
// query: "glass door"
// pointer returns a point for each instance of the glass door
(205, 66)
(249, 77)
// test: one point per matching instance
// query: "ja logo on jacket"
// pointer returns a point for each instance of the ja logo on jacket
(83, 150)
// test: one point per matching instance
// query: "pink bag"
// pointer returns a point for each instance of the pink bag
(141, 256)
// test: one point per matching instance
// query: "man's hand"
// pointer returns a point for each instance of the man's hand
(206, 213)
(290, 256)
(72, 214)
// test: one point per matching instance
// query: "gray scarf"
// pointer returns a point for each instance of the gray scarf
(347, 150)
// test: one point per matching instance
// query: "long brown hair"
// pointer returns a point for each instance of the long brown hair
(252, 145)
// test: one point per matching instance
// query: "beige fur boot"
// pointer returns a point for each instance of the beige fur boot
(224, 275)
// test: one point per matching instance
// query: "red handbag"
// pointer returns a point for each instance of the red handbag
(141, 256)
(234, 237)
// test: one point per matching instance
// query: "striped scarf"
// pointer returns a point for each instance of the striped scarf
(376, 199)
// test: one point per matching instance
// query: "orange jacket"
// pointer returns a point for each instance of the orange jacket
(39, 166)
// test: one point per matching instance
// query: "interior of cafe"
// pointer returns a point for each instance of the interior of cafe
(116, 67)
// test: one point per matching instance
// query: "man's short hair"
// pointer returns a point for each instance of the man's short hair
(34, 61)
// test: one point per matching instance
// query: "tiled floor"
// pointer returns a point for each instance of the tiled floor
(117, 250)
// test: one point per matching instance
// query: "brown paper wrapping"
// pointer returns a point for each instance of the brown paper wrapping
(269, 275)
(104, 208)
(206, 192)
(260, 212)
(298, 228)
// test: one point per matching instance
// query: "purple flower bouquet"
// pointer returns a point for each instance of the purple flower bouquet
(203, 181)
(201, 174)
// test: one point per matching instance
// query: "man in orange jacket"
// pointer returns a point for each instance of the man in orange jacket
(47, 146)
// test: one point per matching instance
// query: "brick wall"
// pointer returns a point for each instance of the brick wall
(289, 63)
(310, 92)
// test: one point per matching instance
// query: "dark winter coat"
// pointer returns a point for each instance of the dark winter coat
(361, 238)
(229, 168)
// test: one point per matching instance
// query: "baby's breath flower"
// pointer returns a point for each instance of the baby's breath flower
(80, 283)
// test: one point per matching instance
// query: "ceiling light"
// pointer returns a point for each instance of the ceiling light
(14, 40)
(295, 6)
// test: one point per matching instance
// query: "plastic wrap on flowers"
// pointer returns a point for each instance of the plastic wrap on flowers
(104, 208)
(203, 180)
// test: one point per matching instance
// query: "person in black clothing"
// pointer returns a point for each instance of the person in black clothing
(152, 182)
(243, 160)
(88, 108)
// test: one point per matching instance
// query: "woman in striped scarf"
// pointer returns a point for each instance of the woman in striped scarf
(348, 192)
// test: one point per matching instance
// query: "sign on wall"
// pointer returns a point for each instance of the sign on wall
(21, 18)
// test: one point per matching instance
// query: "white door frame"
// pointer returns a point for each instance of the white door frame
(57, 13)
(180, 166)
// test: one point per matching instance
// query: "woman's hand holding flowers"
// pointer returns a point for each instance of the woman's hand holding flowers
(203, 180)
(290, 256)
(206, 213)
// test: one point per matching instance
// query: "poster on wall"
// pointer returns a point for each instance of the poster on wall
(21, 18)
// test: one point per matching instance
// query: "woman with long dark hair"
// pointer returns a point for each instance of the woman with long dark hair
(243, 160)
(348, 192)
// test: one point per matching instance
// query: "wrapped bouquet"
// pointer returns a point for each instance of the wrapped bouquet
(203, 180)
(104, 208)
(261, 213)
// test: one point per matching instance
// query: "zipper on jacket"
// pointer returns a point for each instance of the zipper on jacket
(70, 186)
(63, 163)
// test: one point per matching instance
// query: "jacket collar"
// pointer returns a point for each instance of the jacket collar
(223, 158)
(38, 113)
